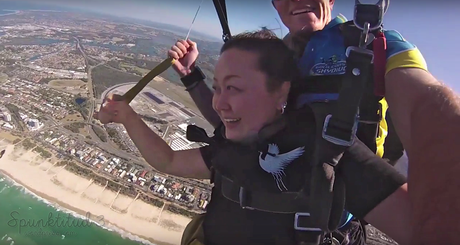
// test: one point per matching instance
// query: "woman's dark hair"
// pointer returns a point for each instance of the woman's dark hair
(276, 60)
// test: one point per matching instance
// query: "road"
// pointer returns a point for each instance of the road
(113, 150)
(92, 100)
(89, 68)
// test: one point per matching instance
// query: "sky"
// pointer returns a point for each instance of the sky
(417, 23)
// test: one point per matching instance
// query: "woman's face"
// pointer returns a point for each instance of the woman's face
(306, 16)
(241, 98)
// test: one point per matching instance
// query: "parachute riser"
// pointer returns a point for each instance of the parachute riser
(157, 70)
(225, 37)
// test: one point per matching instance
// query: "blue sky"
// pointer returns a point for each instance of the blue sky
(418, 23)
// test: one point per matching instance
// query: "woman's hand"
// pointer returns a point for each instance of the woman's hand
(185, 53)
(115, 109)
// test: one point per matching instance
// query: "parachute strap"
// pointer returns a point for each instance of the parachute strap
(306, 233)
(327, 190)
(221, 9)
(337, 131)
(283, 203)
(197, 134)
(340, 127)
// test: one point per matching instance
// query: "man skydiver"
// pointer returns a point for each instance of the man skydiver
(418, 102)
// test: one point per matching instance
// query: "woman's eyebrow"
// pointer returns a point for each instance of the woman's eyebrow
(226, 78)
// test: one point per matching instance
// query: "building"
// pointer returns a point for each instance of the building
(34, 124)
(7, 117)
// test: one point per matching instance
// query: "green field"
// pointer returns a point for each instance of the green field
(66, 83)
(3, 78)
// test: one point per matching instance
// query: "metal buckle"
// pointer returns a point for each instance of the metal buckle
(300, 228)
(380, 117)
(359, 50)
(369, 17)
(242, 197)
(225, 37)
(364, 35)
(382, 6)
(338, 141)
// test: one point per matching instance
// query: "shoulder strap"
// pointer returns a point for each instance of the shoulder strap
(370, 109)
(377, 44)
(337, 132)
(197, 134)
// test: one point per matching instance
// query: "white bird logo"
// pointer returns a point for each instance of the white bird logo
(275, 163)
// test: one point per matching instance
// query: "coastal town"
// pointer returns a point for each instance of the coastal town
(54, 73)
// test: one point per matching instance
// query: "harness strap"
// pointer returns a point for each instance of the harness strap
(327, 190)
(285, 202)
(370, 109)
(340, 127)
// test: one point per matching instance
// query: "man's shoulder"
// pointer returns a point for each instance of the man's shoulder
(396, 43)
(325, 53)
(402, 53)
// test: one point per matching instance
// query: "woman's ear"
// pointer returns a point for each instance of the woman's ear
(284, 92)
(286, 88)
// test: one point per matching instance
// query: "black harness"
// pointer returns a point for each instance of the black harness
(300, 203)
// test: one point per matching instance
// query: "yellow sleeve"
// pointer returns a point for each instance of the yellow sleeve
(407, 59)
(401, 53)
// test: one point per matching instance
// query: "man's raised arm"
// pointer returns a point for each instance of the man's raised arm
(426, 114)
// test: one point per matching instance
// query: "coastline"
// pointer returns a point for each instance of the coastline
(69, 191)
(11, 12)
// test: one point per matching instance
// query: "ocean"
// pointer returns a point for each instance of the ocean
(26, 219)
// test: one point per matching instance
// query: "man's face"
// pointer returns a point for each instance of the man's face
(306, 16)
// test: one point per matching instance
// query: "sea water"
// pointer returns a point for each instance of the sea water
(26, 219)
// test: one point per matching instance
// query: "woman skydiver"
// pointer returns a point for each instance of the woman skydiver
(260, 159)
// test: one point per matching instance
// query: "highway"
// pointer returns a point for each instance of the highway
(92, 100)
(89, 68)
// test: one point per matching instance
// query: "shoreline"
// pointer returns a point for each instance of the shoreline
(59, 190)
(12, 12)
(68, 207)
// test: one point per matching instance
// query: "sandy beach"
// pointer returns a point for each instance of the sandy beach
(78, 194)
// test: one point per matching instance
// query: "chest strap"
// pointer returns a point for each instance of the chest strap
(283, 203)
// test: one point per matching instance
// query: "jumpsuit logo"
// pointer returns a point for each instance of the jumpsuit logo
(274, 163)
